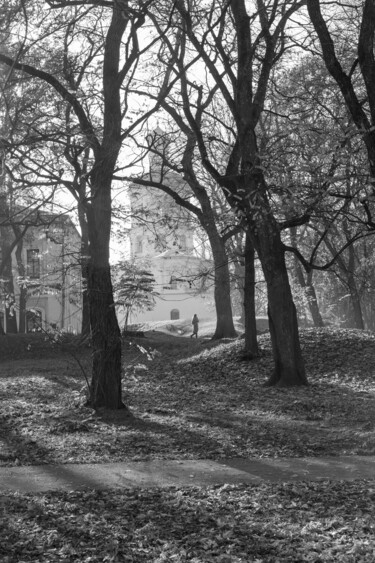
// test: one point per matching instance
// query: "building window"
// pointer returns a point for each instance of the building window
(175, 314)
(33, 263)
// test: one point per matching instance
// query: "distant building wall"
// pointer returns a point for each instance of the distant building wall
(50, 256)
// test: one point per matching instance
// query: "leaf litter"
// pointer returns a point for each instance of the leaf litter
(288, 522)
(193, 400)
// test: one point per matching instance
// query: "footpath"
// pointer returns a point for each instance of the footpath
(165, 473)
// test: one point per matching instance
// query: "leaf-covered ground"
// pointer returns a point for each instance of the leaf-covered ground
(314, 522)
(193, 399)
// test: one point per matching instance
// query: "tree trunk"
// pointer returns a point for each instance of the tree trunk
(106, 341)
(251, 343)
(22, 302)
(312, 301)
(105, 331)
(85, 324)
(307, 285)
(224, 315)
(289, 366)
(10, 309)
(81, 188)
(355, 304)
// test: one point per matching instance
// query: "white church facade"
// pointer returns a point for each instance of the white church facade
(163, 241)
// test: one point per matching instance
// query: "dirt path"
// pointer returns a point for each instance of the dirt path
(163, 473)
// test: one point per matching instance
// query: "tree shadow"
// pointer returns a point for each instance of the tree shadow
(176, 523)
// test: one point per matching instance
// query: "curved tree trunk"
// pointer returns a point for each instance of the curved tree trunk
(313, 302)
(306, 284)
(251, 342)
(310, 293)
(289, 366)
(224, 315)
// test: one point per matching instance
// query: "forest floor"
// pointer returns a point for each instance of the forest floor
(190, 399)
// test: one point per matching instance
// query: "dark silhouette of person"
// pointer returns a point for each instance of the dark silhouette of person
(195, 323)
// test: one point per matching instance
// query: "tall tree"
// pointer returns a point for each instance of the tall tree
(102, 121)
(235, 45)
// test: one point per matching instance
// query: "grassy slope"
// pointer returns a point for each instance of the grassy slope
(193, 400)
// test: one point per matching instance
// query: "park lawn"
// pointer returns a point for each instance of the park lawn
(191, 399)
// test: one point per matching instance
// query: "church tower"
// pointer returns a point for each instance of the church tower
(159, 224)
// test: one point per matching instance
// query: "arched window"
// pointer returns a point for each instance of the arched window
(175, 314)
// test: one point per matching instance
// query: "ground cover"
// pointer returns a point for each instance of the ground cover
(313, 522)
(191, 399)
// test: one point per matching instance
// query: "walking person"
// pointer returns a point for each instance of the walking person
(195, 323)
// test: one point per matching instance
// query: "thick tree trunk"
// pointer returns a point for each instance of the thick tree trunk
(105, 331)
(223, 305)
(289, 366)
(355, 305)
(106, 341)
(224, 314)
(251, 343)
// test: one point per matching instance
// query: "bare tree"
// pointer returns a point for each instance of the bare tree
(108, 36)
(234, 47)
